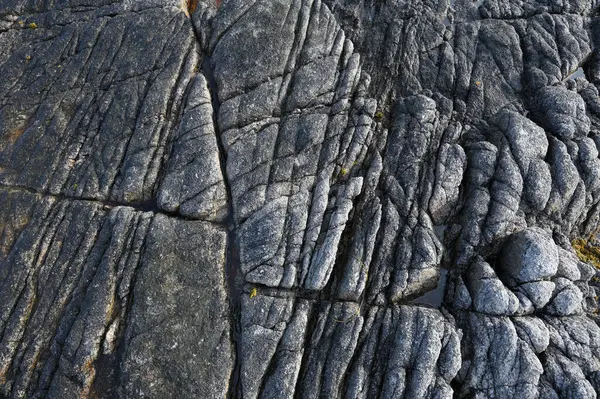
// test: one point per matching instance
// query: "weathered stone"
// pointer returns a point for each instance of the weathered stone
(530, 255)
(178, 339)
(299, 198)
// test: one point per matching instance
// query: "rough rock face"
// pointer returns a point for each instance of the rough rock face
(299, 198)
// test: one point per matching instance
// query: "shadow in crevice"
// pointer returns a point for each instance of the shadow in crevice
(435, 297)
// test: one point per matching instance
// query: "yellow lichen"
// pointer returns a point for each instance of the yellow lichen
(586, 251)
(344, 172)
(253, 292)
(378, 115)
(478, 83)
(32, 25)
(27, 57)
(21, 23)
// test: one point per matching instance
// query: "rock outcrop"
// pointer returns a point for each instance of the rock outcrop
(299, 198)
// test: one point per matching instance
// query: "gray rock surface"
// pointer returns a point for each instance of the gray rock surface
(299, 198)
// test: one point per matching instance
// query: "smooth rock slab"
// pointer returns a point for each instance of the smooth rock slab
(178, 338)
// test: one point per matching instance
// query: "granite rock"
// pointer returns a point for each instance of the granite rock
(299, 198)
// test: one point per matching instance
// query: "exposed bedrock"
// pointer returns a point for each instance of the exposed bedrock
(299, 198)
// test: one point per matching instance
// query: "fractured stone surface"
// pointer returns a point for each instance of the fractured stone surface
(299, 198)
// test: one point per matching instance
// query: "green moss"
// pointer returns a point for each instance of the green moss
(378, 115)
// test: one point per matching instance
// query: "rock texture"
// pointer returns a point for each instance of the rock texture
(299, 198)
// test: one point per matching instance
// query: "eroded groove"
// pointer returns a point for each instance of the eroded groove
(232, 260)
(146, 206)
